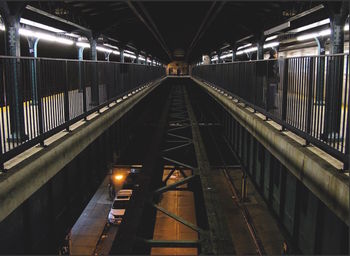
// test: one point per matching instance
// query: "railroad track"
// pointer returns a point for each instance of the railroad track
(225, 168)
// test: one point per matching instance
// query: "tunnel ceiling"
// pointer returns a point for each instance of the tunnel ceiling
(181, 30)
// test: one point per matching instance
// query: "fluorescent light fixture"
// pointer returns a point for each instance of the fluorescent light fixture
(44, 36)
(111, 46)
(39, 25)
(72, 35)
(252, 49)
(273, 44)
(129, 55)
(271, 38)
(2, 27)
(116, 52)
(103, 49)
(312, 25)
(277, 28)
(141, 58)
(84, 45)
(226, 56)
(346, 27)
(244, 46)
(26, 32)
(130, 52)
(313, 35)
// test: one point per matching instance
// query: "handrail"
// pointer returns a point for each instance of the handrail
(42, 96)
(280, 58)
(72, 60)
(307, 95)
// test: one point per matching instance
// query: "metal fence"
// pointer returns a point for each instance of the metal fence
(41, 96)
(306, 95)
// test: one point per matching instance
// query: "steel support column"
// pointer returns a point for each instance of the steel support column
(137, 57)
(260, 51)
(219, 55)
(33, 52)
(335, 78)
(15, 90)
(94, 73)
(80, 58)
(122, 59)
(234, 49)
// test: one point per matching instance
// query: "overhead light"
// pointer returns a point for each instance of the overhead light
(130, 52)
(313, 35)
(271, 38)
(39, 25)
(2, 27)
(103, 49)
(141, 58)
(83, 45)
(111, 46)
(226, 56)
(277, 28)
(129, 55)
(44, 36)
(82, 38)
(244, 46)
(72, 35)
(116, 52)
(346, 27)
(312, 25)
(273, 44)
(252, 49)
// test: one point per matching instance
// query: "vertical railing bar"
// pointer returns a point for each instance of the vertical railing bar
(40, 99)
(310, 98)
(66, 96)
(284, 92)
(83, 86)
(345, 104)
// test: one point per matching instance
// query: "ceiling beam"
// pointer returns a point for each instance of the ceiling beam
(54, 17)
(194, 40)
(136, 12)
(208, 20)
(148, 16)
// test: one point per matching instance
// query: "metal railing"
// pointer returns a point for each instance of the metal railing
(306, 95)
(41, 96)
